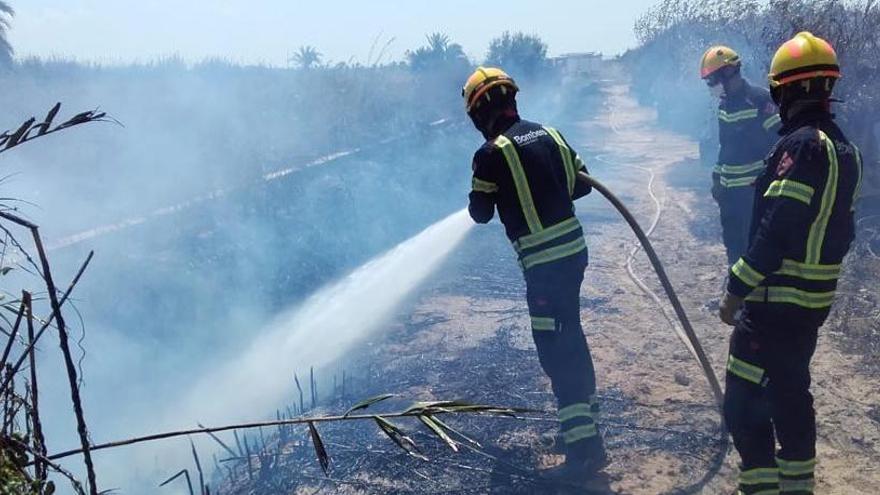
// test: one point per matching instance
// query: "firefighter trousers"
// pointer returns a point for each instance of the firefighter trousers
(553, 294)
(735, 205)
(767, 400)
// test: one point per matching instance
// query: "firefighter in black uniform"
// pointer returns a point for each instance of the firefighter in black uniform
(747, 125)
(529, 173)
(802, 228)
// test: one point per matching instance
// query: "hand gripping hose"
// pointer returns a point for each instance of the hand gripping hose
(695, 348)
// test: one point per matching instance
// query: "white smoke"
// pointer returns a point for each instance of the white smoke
(315, 333)
(322, 329)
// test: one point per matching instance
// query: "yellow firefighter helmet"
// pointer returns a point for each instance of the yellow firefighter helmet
(716, 58)
(803, 57)
(482, 80)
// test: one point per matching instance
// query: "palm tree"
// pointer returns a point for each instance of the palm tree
(440, 53)
(6, 13)
(438, 42)
(306, 57)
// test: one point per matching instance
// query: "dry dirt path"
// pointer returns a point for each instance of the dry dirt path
(845, 384)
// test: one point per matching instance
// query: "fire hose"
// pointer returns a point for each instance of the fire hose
(694, 344)
(690, 337)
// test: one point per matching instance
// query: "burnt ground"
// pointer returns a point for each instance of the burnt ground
(466, 336)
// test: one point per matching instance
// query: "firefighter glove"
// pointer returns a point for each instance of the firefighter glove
(730, 305)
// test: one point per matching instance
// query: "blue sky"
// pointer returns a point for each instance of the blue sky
(266, 31)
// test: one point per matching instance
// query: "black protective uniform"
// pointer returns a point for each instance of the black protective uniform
(801, 230)
(529, 174)
(747, 125)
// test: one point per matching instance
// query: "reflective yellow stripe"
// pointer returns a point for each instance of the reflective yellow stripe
(554, 253)
(579, 410)
(817, 230)
(566, 158)
(791, 189)
(580, 433)
(759, 476)
(483, 186)
(806, 271)
(796, 468)
(745, 370)
(739, 169)
(791, 295)
(548, 234)
(737, 116)
(521, 183)
(541, 323)
(741, 182)
(790, 486)
(858, 191)
(772, 121)
(741, 113)
(746, 273)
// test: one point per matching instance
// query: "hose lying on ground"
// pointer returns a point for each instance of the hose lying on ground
(696, 348)
(630, 270)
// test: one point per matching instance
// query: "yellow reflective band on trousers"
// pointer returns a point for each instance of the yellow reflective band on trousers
(744, 370)
(554, 231)
(790, 189)
(738, 182)
(579, 433)
(739, 169)
(541, 324)
(791, 295)
(731, 117)
(759, 476)
(746, 273)
(772, 121)
(807, 271)
(796, 486)
(483, 186)
(796, 476)
(817, 230)
(567, 162)
(522, 185)
(796, 468)
(577, 410)
(554, 253)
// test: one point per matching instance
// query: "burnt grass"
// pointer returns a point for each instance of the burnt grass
(854, 322)
(498, 371)
(365, 461)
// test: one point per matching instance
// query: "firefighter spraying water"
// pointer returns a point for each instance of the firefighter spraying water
(528, 172)
(533, 184)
